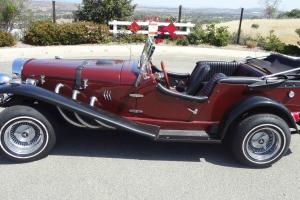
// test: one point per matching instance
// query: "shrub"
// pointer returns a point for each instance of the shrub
(182, 41)
(41, 33)
(291, 50)
(298, 32)
(197, 36)
(272, 43)
(48, 33)
(6, 39)
(130, 38)
(255, 26)
(251, 44)
(217, 36)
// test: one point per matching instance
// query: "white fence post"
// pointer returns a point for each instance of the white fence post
(188, 28)
(115, 28)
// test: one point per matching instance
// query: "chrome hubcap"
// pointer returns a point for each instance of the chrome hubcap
(24, 136)
(263, 143)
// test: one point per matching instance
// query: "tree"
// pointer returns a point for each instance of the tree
(102, 11)
(295, 13)
(10, 11)
(271, 8)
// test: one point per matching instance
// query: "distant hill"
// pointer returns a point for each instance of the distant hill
(199, 14)
(43, 9)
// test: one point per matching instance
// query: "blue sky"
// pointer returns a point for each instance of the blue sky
(285, 4)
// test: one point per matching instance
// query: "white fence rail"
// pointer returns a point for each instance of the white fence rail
(122, 26)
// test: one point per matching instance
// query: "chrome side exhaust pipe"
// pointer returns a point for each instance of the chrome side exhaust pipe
(93, 100)
(58, 87)
(82, 123)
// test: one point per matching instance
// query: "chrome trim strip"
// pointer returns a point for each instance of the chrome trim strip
(107, 95)
(136, 95)
(136, 111)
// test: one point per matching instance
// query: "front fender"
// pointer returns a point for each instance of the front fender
(255, 103)
(52, 98)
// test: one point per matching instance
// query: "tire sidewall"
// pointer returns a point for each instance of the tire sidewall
(245, 129)
(15, 113)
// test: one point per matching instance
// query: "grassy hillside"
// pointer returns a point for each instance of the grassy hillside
(284, 28)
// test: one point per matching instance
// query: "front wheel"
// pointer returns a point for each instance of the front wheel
(260, 140)
(25, 134)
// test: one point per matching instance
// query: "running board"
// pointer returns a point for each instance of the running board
(186, 136)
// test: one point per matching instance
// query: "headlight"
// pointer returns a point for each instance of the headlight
(4, 79)
(17, 67)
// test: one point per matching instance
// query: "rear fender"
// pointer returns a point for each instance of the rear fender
(255, 104)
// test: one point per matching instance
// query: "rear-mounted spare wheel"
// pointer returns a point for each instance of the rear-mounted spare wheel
(25, 134)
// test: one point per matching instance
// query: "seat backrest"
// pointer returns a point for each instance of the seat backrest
(210, 85)
(249, 71)
(196, 79)
(227, 68)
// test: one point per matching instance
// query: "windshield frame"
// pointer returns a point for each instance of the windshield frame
(145, 59)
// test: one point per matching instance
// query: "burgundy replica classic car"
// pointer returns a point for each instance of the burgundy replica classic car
(252, 105)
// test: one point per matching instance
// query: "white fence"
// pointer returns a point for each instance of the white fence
(122, 26)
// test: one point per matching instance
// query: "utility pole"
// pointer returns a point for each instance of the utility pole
(53, 12)
(240, 26)
(180, 13)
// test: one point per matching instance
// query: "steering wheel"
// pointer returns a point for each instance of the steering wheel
(163, 67)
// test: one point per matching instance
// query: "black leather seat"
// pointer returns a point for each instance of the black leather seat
(227, 68)
(197, 78)
(210, 85)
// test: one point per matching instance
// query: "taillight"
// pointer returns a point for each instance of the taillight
(296, 116)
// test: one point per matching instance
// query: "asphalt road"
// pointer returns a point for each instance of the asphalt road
(118, 165)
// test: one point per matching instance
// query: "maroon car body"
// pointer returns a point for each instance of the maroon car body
(118, 77)
(210, 104)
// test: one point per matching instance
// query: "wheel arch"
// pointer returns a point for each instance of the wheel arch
(43, 106)
(254, 105)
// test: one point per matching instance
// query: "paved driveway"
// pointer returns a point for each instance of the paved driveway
(118, 165)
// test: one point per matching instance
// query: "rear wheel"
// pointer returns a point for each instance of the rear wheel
(260, 140)
(25, 134)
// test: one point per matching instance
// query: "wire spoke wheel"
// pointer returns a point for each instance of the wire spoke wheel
(26, 133)
(264, 143)
(24, 136)
(260, 140)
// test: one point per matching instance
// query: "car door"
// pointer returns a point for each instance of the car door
(154, 104)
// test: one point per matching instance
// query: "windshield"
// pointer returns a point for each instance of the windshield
(145, 58)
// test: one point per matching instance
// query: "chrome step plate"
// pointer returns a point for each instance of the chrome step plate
(186, 136)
